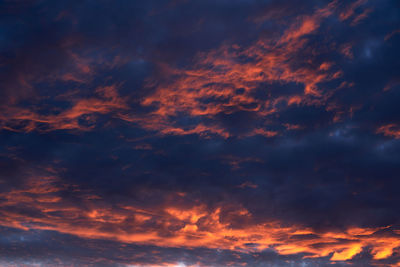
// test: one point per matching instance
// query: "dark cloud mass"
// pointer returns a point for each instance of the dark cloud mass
(199, 133)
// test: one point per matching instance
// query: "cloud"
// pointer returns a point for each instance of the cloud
(207, 133)
(389, 130)
(223, 81)
(40, 204)
(23, 119)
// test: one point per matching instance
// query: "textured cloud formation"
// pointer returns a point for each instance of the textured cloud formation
(39, 205)
(199, 133)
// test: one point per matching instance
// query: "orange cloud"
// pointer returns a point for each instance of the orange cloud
(392, 130)
(361, 16)
(346, 50)
(169, 225)
(224, 80)
(25, 119)
(349, 11)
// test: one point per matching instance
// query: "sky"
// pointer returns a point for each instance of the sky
(200, 133)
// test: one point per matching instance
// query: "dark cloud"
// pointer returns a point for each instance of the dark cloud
(206, 133)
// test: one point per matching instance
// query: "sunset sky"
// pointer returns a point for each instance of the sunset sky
(199, 133)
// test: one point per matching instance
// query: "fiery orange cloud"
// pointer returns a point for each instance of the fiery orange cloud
(349, 11)
(24, 119)
(170, 225)
(220, 81)
(391, 130)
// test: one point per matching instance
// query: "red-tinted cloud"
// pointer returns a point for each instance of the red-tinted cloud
(224, 80)
(39, 204)
(25, 119)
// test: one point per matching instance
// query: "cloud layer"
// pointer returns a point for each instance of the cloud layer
(199, 133)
